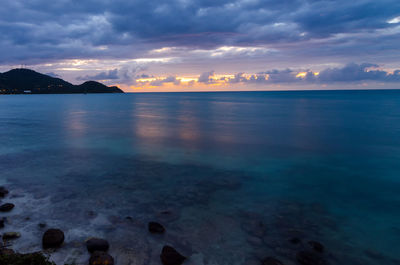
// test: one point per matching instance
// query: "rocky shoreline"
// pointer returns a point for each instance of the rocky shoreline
(53, 239)
(308, 253)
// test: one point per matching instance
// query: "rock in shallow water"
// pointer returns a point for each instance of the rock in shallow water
(169, 256)
(2, 221)
(295, 240)
(6, 251)
(3, 192)
(9, 257)
(53, 238)
(310, 258)
(316, 246)
(11, 235)
(255, 227)
(156, 228)
(101, 258)
(271, 261)
(97, 244)
(6, 207)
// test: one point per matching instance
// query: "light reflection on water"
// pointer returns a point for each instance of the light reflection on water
(323, 163)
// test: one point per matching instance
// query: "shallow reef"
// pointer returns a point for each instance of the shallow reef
(9, 257)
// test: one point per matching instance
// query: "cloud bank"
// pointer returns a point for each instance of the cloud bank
(119, 40)
(101, 28)
(351, 73)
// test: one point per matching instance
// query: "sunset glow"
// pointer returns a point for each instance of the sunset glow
(199, 45)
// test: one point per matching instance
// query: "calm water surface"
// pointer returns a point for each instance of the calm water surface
(232, 176)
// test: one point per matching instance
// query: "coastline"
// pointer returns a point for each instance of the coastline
(73, 251)
(53, 242)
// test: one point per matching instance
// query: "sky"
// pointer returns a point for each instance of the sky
(206, 45)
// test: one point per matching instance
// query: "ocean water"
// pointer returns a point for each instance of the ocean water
(232, 176)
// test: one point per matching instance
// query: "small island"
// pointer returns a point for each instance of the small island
(26, 81)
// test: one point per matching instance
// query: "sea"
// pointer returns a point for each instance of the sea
(234, 177)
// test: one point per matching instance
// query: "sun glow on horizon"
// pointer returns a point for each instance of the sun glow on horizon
(301, 75)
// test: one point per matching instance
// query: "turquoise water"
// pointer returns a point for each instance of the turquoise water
(232, 176)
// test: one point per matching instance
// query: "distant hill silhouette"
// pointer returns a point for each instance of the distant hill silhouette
(25, 81)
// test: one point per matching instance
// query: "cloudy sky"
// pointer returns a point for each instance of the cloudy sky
(192, 45)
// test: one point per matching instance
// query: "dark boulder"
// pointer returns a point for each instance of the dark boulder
(53, 238)
(156, 228)
(101, 258)
(6, 207)
(295, 240)
(11, 235)
(2, 222)
(91, 214)
(42, 225)
(271, 261)
(6, 251)
(97, 244)
(316, 246)
(3, 192)
(309, 258)
(9, 257)
(169, 256)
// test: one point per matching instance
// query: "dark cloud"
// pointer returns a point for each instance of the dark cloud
(357, 72)
(281, 76)
(129, 73)
(206, 78)
(350, 73)
(143, 76)
(324, 18)
(110, 75)
(239, 77)
(44, 30)
(162, 81)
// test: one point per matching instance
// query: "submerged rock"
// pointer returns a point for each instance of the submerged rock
(3, 192)
(309, 258)
(316, 246)
(374, 255)
(97, 244)
(254, 241)
(156, 228)
(255, 227)
(271, 261)
(53, 238)
(91, 214)
(42, 225)
(9, 257)
(11, 235)
(169, 256)
(295, 240)
(2, 221)
(6, 207)
(101, 258)
(6, 251)
(130, 218)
